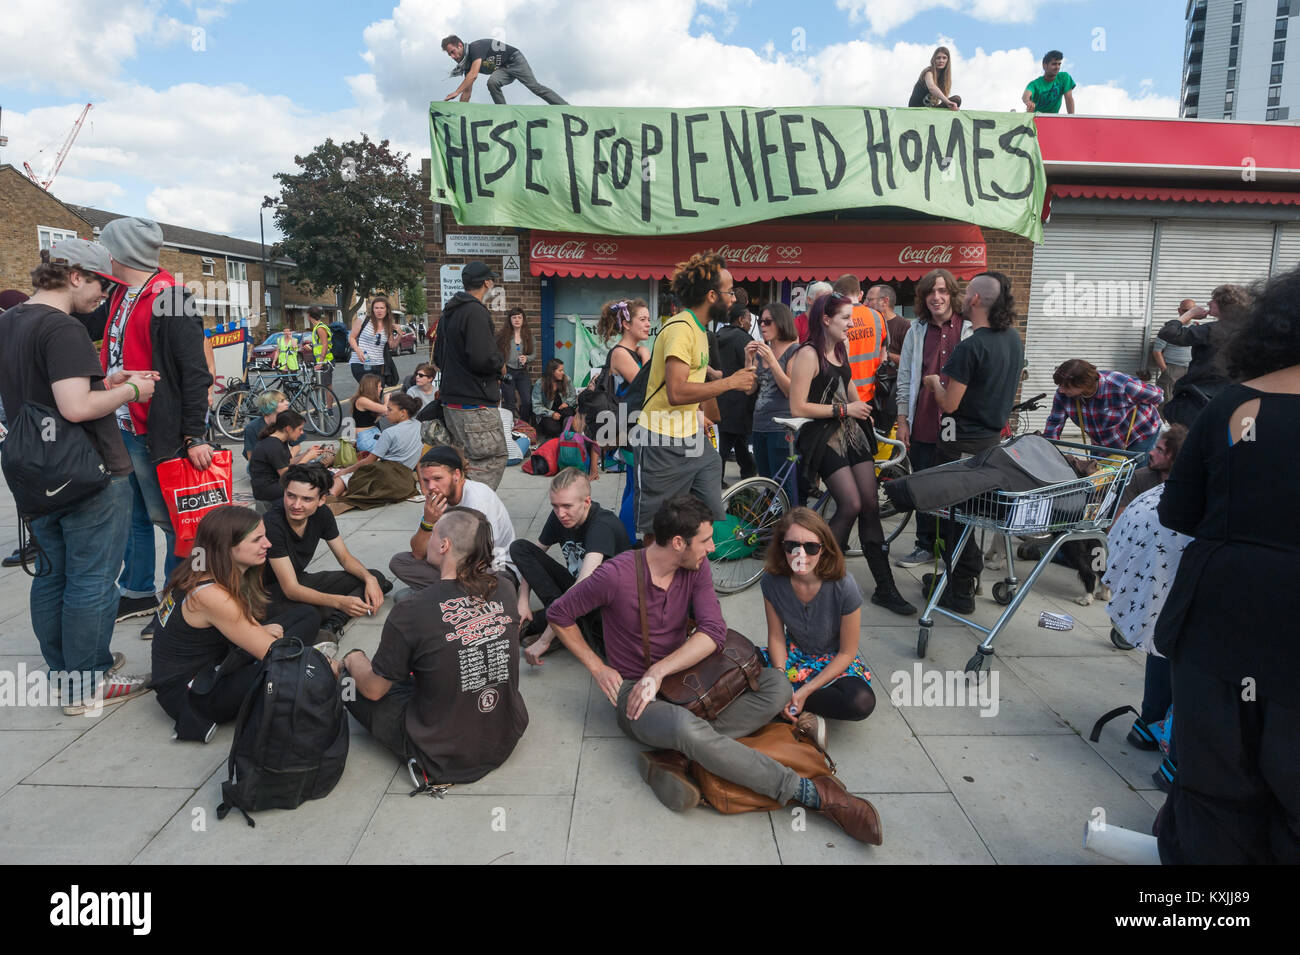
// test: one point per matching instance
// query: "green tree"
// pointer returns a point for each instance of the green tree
(351, 220)
(413, 301)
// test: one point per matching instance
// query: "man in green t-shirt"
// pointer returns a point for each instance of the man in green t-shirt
(1045, 93)
(672, 455)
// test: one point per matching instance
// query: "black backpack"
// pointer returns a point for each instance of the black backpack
(635, 396)
(49, 462)
(291, 735)
(601, 399)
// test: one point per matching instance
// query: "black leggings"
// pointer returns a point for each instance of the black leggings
(848, 698)
(852, 483)
(729, 441)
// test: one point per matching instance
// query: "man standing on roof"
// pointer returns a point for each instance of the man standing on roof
(501, 63)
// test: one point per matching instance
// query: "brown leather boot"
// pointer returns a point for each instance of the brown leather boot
(851, 813)
(668, 774)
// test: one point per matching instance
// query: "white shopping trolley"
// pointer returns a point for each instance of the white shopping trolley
(1080, 509)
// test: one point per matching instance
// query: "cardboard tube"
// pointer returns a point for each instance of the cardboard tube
(1121, 845)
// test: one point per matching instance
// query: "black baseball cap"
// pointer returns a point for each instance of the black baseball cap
(475, 274)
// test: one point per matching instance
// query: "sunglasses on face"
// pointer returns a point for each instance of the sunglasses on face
(811, 548)
(766, 321)
(422, 374)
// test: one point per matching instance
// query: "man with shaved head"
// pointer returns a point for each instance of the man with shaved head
(1172, 360)
(983, 375)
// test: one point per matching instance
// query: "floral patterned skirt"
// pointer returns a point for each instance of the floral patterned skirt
(800, 667)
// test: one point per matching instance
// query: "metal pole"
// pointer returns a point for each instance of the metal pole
(261, 229)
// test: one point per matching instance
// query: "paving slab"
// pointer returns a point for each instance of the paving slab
(22, 751)
(1030, 796)
(464, 829)
(617, 819)
(73, 825)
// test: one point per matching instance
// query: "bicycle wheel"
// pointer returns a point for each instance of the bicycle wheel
(321, 409)
(752, 507)
(232, 413)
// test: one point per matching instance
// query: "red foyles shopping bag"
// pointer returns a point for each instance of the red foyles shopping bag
(191, 493)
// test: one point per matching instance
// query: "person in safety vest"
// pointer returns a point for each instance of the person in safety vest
(867, 339)
(322, 349)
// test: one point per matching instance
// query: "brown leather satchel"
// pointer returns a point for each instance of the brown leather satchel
(782, 742)
(707, 688)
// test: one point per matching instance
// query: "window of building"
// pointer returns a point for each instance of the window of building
(1236, 13)
(47, 236)
(1227, 100)
(209, 265)
(272, 276)
(1232, 79)
(1283, 8)
(1275, 73)
(1279, 51)
(1270, 114)
(1232, 57)
(1279, 30)
(236, 271)
(1236, 35)
(1274, 95)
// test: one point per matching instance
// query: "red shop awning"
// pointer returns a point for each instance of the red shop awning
(797, 250)
(1167, 194)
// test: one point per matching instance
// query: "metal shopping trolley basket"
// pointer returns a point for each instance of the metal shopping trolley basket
(1079, 509)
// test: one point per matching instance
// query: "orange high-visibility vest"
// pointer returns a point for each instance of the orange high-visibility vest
(866, 348)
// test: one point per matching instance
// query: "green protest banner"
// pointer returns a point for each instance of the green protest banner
(674, 171)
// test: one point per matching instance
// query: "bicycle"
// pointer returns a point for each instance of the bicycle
(754, 506)
(317, 403)
(1018, 422)
(235, 406)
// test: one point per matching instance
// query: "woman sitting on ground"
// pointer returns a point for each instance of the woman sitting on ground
(267, 405)
(554, 399)
(935, 83)
(1114, 410)
(272, 457)
(630, 320)
(422, 389)
(208, 636)
(840, 445)
(814, 612)
(367, 408)
(386, 473)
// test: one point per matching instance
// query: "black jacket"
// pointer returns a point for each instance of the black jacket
(179, 406)
(465, 351)
(736, 407)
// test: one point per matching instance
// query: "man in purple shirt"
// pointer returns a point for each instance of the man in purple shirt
(678, 583)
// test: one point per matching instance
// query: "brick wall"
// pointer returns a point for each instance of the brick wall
(1014, 256)
(527, 294)
(23, 207)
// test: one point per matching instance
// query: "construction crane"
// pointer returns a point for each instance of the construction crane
(63, 153)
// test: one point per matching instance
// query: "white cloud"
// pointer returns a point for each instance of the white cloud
(885, 15)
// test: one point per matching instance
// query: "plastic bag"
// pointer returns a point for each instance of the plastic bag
(190, 494)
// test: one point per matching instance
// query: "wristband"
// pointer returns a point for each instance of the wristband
(426, 526)
(136, 389)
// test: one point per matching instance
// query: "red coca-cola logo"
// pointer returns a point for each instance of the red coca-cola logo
(926, 255)
(755, 254)
(561, 250)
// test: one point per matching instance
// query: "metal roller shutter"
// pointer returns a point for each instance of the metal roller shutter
(1196, 255)
(1288, 248)
(1087, 299)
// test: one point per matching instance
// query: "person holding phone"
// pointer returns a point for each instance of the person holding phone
(272, 457)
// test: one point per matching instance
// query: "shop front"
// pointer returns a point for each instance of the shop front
(773, 261)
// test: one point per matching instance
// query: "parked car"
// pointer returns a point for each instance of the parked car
(342, 350)
(264, 351)
(406, 345)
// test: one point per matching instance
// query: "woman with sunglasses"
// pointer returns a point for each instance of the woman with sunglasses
(422, 388)
(774, 353)
(839, 445)
(814, 612)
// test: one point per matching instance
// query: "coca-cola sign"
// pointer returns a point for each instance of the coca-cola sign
(755, 254)
(571, 250)
(925, 255)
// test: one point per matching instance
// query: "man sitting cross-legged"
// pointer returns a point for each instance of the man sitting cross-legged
(587, 535)
(294, 526)
(443, 689)
(677, 581)
(441, 472)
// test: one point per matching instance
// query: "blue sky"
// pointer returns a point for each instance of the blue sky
(199, 133)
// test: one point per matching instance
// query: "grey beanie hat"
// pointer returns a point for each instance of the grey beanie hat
(133, 242)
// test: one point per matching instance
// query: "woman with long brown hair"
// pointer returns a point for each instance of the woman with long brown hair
(367, 408)
(814, 612)
(515, 341)
(208, 631)
(554, 399)
(370, 334)
(630, 320)
(934, 84)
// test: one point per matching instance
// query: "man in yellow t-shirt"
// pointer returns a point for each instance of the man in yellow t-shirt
(671, 453)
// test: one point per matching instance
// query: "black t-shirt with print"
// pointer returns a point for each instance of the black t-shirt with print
(264, 465)
(988, 363)
(602, 533)
(462, 652)
(321, 526)
(40, 345)
(493, 53)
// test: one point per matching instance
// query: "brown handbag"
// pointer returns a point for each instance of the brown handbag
(707, 688)
(782, 742)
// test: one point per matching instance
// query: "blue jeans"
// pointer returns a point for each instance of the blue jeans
(74, 602)
(367, 438)
(627, 508)
(770, 453)
(147, 509)
(1146, 447)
